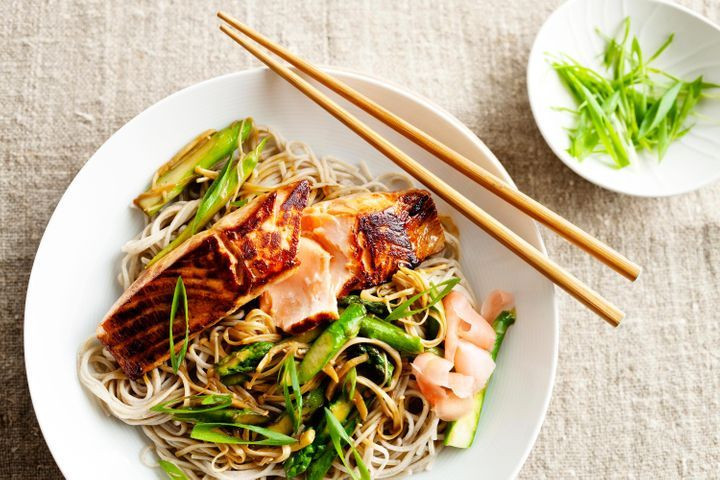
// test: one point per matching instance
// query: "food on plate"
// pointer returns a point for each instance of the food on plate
(222, 269)
(630, 106)
(351, 243)
(285, 315)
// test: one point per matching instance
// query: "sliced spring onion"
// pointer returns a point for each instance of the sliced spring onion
(660, 110)
(172, 470)
(403, 310)
(209, 403)
(337, 433)
(239, 203)
(289, 375)
(180, 293)
(351, 382)
(631, 106)
(210, 432)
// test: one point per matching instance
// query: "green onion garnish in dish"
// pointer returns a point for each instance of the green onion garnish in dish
(172, 470)
(631, 106)
(239, 203)
(207, 403)
(289, 380)
(403, 310)
(180, 293)
(350, 382)
(212, 408)
(337, 433)
(211, 432)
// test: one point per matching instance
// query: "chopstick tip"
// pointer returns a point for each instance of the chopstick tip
(638, 273)
(616, 319)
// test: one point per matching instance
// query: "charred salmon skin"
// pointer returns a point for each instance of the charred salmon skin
(222, 268)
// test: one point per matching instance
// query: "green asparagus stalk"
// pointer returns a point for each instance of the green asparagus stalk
(176, 174)
(312, 400)
(243, 360)
(223, 188)
(461, 432)
(378, 367)
(375, 308)
(387, 332)
(330, 341)
(322, 461)
(299, 461)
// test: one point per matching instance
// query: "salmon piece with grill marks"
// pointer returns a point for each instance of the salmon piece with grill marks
(368, 236)
(222, 268)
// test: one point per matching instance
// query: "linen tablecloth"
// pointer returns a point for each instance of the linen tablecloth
(642, 401)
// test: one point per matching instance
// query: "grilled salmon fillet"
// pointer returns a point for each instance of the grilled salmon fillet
(367, 236)
(222, 268)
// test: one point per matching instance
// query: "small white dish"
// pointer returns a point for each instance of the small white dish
(73, 278)
(690, 162)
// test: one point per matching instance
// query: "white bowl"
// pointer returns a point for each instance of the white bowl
(692, 161)
(73, 279)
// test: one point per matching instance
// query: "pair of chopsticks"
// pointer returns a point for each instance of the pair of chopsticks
(493, 227)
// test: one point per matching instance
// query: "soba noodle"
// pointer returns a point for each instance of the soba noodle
(397, 433)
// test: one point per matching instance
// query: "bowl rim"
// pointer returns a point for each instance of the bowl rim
(573, 163)
(375, 81)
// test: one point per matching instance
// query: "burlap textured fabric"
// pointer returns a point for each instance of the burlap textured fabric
(639, 402)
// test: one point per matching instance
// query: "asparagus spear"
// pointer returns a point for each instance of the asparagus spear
(375, 308)
(299, 461)
(322, 460)
(180, 170)
(312, 400)
(378, 366)
(243, 360)
(330, 341)
(387, 332)
(461, 432)
(223, 188)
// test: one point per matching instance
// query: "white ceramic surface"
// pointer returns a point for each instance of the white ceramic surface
(73, 278)
(692, 161)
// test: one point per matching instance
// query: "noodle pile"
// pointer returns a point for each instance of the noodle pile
(396, 434)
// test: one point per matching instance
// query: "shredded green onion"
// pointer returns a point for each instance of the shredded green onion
(289, 375)
(403, 310)
(630, 107)
(210, 432)
(350, 382)
(239, 203)
(337, 433)
(172, 470)
(209, 403)
(180, 293)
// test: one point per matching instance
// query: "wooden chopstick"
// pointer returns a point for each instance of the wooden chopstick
(523, 202)
(493, 227)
